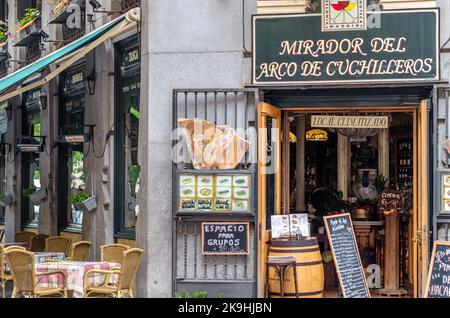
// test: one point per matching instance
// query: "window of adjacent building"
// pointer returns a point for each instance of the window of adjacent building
(4, 10)
(3, 189)
(31, 174)
(3, 156)
(22, 5)
(72, 178)
(127, 138)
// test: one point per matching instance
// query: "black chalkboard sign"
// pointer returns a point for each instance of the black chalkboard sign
(346, 256)
(438, 281)
(225, 238)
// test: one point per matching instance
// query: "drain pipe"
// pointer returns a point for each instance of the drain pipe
(447, 120)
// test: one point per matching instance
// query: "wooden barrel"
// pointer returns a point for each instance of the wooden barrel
(310, 277)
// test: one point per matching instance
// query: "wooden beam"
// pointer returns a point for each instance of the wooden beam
(300, 163)
(343, 165)
(383, 153)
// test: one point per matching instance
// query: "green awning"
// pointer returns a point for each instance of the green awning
(88, 42)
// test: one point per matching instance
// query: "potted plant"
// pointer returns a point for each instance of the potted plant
(38, 195)
(29, 22)
(327, 203)
(83, 201)
(26, 192)
(3, 34)
(6, 199)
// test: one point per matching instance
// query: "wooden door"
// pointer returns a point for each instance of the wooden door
(421, 232)
(269, 180)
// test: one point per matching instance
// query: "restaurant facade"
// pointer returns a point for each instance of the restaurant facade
(201, 140)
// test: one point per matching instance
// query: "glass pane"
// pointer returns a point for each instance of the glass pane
(443, 231)
(77, 184)
(132, 167)
(36, 183)
(271, 124)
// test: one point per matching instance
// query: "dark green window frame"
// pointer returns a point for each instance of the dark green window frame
(70, 122)
(128, 73)
(31, 113)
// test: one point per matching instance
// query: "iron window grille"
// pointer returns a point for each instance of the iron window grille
(191, 269)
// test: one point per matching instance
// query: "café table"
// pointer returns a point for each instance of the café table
(41, 257)
(74, 273)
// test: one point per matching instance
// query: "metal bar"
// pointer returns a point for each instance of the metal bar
(245, 267)
(215, 267)
(226, 107)
(185, 105)
(215, 108)
(225, 267)
(206, 106)
(205, 265)
(235, 111)
(175, 222)
(185, 249)
(195, 249)
(196, 103)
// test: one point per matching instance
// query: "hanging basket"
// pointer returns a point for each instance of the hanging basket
(89, 205)
(7, 200)
(39, 196)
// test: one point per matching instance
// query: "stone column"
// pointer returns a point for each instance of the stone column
(185, 44)
(98, 226)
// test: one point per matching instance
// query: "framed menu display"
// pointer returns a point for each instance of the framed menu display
(214, 192)
(445, 193)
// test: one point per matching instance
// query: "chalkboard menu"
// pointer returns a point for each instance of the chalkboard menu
(225, 238)
(438, 281)
(346, 256)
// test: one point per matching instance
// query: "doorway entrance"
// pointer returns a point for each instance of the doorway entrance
(321, 169)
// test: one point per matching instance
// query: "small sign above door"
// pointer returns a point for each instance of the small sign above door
(374, 122)
(316, 135)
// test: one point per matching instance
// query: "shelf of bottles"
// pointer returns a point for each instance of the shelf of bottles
(404, 160)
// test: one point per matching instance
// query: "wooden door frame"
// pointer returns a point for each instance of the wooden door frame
(419, 172)
(265, 110)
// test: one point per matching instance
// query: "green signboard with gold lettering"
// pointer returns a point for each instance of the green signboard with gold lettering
(293, 49)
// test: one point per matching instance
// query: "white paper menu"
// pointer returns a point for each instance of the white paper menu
(292, 224)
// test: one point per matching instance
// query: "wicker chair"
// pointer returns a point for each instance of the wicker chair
(38, 243)
(24, 276)
(113, 253)
(5, 275)
(24, 237)
(126, 276)
(2, 235)
(58, 244)
(80, 251)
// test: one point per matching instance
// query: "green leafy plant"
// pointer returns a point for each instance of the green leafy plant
(380, 183)
(3, 32)
(28, 191)
(30, 15)
(195, 294)
(327, 203)
(79, 198)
